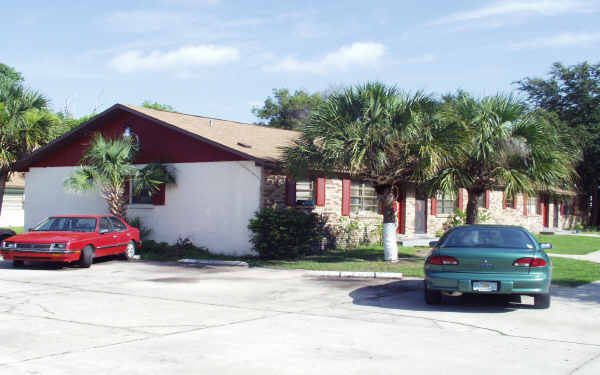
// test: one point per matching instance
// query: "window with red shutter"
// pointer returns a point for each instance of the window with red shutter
(345, 197)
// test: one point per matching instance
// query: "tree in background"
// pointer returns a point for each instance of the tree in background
(503, 144)
(375, 134)
(10, 73)
(573, 93)
(25, 123)
(287, 111)
(158, 106)
(108, 166)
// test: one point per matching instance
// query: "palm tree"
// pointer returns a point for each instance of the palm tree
(24, 125)
(504, 145)
(107, 166)
(376, 134)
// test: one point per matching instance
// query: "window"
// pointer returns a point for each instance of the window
(104, 225)
(509, 202)
(487, 238)
(362, 197)
(446, 203)
(117, 224)
(533, 206)
(305, 193)
(139, 197)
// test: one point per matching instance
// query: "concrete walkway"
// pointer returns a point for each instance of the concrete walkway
(591, 257)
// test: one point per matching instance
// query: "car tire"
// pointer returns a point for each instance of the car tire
(541, 301)
(18, 263)
(129, 251)
(433, 297)
(87, 257)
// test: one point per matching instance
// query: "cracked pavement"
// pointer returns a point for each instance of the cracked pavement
(152, 318)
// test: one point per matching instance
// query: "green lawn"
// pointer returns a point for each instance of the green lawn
(571, 272)
(562, 244)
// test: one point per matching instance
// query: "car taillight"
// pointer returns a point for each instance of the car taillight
(529, 262)
(443, 260)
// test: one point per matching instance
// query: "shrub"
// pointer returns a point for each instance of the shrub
(183, 248)
(136, 222)
(286, 233)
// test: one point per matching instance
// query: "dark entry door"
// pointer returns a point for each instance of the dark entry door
(555, 215)
(420, 215)
(545, 212)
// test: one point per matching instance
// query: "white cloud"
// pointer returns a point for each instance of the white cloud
(181, 58)
(344, 58)
(521, 7)
(560, 40)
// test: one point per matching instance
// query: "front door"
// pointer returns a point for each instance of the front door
(421, 214)
(545, 212)
(401, 213)
(555, 214)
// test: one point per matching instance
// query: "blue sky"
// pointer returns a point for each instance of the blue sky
(222, 57)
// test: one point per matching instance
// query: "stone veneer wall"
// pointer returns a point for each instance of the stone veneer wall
(274, 195)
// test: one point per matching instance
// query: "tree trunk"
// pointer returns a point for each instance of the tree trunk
(472, 206)
(4, 172)
(390, 243)
(116, 199)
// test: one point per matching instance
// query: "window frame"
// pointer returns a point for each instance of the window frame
(110, 230)
(361, 207)
(442, 204)
(536, 209)
(311, 191)
(115, 229)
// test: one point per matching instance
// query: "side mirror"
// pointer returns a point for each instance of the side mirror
(103, 231)
(546, 246)
(30, 229)
(433, 243)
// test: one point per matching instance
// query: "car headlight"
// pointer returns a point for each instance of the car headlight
(9, 245)
(58, 246)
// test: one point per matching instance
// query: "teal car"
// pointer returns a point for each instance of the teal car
(488, 259)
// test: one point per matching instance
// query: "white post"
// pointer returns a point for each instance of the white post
(390, 242)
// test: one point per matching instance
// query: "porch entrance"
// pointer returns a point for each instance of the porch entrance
(420, 214)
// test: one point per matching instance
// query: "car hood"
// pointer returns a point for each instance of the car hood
(49, 237)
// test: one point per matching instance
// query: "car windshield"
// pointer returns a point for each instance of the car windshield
(482, 237)
(67, 224)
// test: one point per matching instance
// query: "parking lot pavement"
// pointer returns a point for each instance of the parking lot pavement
(151, 318)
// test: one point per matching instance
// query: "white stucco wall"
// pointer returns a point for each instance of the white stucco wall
(12, 214)
(211, 204)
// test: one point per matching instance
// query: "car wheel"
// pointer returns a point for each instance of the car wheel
(433, 297)
(129, 251)
(87, 257)
(541, 301)
(18, 263)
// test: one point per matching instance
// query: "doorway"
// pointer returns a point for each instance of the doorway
(420, 214)
(555, 214)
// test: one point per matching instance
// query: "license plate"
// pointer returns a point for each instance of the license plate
(485, 286)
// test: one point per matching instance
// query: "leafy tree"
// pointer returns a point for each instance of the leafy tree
(287, 111)
(378, 135)
(107, 166)
(24, 125)
(10, 74)
(504, 144)
(156, 105)
(573, 93)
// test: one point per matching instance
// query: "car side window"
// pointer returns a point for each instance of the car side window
(117, 224)
(105, 225)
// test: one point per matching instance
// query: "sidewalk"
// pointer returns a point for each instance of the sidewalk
(591, 257)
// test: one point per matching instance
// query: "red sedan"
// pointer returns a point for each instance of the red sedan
(74, 238)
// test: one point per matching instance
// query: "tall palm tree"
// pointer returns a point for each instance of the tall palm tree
(377, 134)
(107, 166)
(504, 145)
(24, 125)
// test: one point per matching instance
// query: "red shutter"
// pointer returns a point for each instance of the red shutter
(158, 197)
(487, 199)
(514, 202)
(541, 205)
(345, 197)
(126, 187)
(562, 208)
(290, 192)
(525, 204)
(503, 200)
(402, 214)
(460, 199)
(434, 206)
(320, 192)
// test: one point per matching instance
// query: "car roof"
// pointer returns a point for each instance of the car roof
(82, 216)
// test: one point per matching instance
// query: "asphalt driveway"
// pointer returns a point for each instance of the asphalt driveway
(144, 318)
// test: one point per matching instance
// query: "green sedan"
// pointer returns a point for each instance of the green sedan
(488, 259)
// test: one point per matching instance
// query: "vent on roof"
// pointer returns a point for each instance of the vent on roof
(244, 145)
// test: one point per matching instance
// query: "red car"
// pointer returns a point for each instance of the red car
(74, 238)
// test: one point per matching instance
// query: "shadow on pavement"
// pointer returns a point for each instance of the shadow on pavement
(408, 295)
(53, 266)
(584, 293)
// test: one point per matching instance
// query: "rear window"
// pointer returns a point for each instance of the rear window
(512, 238)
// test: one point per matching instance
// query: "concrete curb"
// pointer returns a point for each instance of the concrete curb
(210, 262)
(363, 275)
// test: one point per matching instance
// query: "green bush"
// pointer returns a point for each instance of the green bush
(162, 251)
(286, 233)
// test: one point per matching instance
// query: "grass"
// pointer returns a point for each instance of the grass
(562, 244)
(17, 230)
(571, 272)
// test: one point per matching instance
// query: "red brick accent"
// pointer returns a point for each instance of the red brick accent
(487, 199)
(434, 206)
(525, 204)
(460, 199)
(345, 197)
(320, 201)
